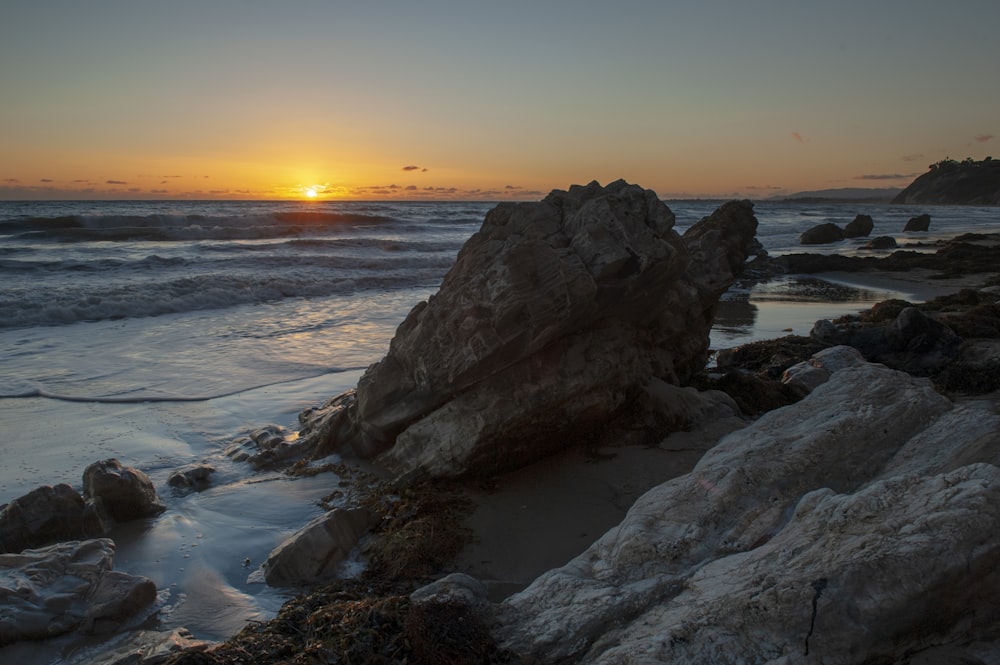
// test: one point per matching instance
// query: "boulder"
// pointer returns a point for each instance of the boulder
(65, 587)
(120, 494)
(858, 525)
(553, 315)
(822, 234)
(805, 376)
(314, 553)
(918, 223)
(44, 516)
(859, 227)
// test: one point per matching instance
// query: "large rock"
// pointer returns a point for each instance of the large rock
(554, 314)
(44, 516)
(859, 227)
(65, 587)
(120, 494)
(858, 525)
(918, 223)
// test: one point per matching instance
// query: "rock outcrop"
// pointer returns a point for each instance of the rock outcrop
(857, 525)
(955, 183)
(554, 314)
(66, 587)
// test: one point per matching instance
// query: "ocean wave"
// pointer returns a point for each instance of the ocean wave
(20, 308)
(84, 228)
(20, 389)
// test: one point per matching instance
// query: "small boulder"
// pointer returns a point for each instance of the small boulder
(805, 376)
(120, 493)
(822, 234)
(859, 227)
(44, 516)
(315, 551)
(918, 223)
(881, 242)
(196, 477)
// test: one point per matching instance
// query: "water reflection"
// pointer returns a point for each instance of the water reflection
(784, 306)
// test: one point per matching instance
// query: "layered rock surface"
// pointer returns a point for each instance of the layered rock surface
(554, 314)
(858, 525)
(65, 587)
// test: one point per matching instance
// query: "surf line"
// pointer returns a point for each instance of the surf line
(142, 399)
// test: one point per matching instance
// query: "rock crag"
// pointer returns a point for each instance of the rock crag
(554, 315)
(955, 183)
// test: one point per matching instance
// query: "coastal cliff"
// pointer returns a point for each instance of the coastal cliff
(956, 183)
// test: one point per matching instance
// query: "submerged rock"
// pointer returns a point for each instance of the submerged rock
(65, 587)
(554, 314)
(315, 552)
(857, 525)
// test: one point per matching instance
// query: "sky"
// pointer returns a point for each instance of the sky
(476, 100)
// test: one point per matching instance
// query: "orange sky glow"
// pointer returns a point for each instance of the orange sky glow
(445, 100)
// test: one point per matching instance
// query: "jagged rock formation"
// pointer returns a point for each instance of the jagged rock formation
(955, 183)
(857, 525)
(553, 315)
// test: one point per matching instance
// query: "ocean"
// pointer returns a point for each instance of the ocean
(158, 332)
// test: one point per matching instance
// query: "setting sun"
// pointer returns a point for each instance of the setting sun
(310, 192)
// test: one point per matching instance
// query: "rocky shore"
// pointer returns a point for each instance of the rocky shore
(554, 474)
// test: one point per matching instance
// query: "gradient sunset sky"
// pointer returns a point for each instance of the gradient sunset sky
(488, 100)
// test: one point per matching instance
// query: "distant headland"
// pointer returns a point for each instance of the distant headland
(950, 182)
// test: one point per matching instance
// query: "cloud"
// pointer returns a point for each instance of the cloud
(12, 181)
(915, 157)
(46, 180)
(511, 187)
(769, 188)
(115, 182)
(80, 181)
(798, 137)
(411, 188)
(159, 191)
(412, 168)
(883, 176)
(983, 138)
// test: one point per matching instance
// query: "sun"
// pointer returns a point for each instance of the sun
(311, 192)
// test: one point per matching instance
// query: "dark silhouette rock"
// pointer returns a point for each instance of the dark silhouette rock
(822, 234)
(554, 313)
(44, 516)
(918, 223)
(881, 242)
(859, 227)
(120, 494)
